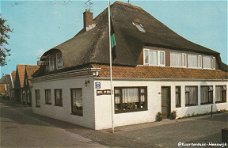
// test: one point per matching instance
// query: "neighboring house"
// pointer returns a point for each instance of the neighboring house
(29, 71)
(6, 86)
(22, 83)
(12, 78)
(19, 83)
(154, 70)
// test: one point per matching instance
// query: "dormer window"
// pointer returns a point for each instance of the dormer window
(209, 62)
(177, 59)
(59, 61)
(194, 61)
(55, 61)
(154, 57)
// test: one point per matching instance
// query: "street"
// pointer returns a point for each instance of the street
(21, 130)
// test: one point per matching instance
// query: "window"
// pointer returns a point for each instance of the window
(146, 57)
(178, 96)
(58, 97)
(37, 97)
(52, 62)
(76, 101)
(154, 57)
(129, 99)
(209, 62)
(178, 59)
(139, 27)
(191, 95)
(194, 61)
(47, 96)
(59, 61)
(220, 93)
(206, 94)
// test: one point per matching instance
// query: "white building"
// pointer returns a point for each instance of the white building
(155, 70)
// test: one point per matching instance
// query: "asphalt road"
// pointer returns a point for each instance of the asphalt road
(21, 130)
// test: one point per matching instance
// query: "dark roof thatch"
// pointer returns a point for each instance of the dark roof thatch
(91, 47)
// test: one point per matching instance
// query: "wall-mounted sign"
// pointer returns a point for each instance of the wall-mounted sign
(98, 85)
(104, 92)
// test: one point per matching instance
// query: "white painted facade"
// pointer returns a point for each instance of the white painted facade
(97, 108)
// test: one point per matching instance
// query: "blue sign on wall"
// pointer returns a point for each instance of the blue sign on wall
(98, 85)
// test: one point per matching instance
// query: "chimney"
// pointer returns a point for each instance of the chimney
(88, 20)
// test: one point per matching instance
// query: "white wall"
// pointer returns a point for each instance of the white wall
(103, 103)
(64, 112)
(97, 109)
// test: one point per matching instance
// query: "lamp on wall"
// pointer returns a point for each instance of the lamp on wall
(86, 83)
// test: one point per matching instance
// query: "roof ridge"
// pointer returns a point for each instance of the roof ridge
(127, 4)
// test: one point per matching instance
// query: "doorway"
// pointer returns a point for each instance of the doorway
(165, 102)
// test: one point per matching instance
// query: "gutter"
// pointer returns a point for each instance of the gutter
(74, 73)
(157, 79)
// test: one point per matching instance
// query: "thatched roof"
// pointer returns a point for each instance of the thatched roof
(91, 47)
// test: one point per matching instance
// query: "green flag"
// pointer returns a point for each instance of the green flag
(113, 41)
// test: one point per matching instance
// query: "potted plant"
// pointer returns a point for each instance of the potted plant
(159, 116)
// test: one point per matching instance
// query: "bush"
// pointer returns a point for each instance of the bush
(159, 116)
(173, 115)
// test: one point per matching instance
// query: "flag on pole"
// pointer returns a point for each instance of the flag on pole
(112, 45)
(113, 40)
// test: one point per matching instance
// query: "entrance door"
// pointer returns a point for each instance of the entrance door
(165, 102)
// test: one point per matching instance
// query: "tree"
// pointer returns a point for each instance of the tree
(4, 30)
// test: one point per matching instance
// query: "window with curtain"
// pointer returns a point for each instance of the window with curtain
(220, 93)
(59, 60)
(146, 57)
(192, 61)
(178, 96)
(209, 62)
(206, 94)
(177, 59)
(76, 101)
(37, 97)
(58, 97)
(48, 96)
(154, 57)
(191, 95)
(129, 99)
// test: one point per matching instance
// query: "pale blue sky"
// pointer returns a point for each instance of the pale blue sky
(41, 25)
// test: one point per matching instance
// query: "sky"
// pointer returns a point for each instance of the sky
(40, 25)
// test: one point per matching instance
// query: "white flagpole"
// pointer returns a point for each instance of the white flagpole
(110, 56)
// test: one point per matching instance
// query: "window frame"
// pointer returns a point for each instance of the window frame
(223, 92)
(61, 98)
(37, 97)
(122, 110)
(46, 97)
(212, 62)
(186, 105)
(179, 87)
(59, 60)
(183, 57)
(158, 54)
(209, 100)
(78, 112)
(199, 62)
